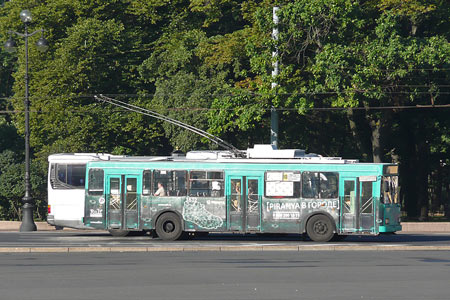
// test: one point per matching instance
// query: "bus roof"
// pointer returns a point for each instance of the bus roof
(260, 154)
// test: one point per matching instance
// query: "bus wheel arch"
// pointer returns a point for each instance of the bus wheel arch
(169, 226)
(320, 227)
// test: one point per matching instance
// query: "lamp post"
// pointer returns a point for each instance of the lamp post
(10, 46)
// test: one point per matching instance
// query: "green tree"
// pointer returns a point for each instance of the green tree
(358, 55)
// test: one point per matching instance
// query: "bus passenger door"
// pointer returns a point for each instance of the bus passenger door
(253, 203)
(114, 201)
(367, 209)
(349, 204)
(357, 208)
(234, 192)
(122, 199)
(131, 202)
(244, 203)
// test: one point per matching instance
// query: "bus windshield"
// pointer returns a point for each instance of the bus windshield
(389, 188)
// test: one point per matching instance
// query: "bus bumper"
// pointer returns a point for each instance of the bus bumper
(76, 224)
(51, 220)
(390, 228)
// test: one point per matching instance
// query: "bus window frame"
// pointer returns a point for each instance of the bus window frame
(319, 185)
(150, 188)
(388, 183)
(96, 191)
(57, 184)
(155, 181)
(209, 181)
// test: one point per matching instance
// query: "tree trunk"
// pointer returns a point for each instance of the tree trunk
(355, 134)
(376, 143)
(447, 201)
(375, 121)
(408, 165)
(422, 153)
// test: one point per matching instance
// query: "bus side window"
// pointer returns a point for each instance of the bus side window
(67, 176)
(146, 182)
(95, 184)
(328, 185)
(206, 184)
(310, 185)
(173, 182)
(320, 185)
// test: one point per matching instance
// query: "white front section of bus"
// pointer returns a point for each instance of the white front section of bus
(66, 205)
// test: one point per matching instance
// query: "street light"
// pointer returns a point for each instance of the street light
(10, 46)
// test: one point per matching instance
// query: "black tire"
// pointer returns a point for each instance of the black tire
(57, 227)
(118, 232)
(168, 227)
(320, 228)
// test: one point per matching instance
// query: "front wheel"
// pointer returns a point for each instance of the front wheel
(320, 229)
(168, 227)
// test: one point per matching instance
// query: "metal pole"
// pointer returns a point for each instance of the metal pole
(273, 110)
(28, 201)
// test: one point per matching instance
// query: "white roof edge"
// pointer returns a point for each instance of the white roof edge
(209, 155)
(306, 160)
(81, 156)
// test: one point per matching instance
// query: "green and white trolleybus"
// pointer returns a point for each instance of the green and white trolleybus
(268, 191)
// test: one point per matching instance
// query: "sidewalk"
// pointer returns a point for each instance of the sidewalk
(15, 225)
(407, 226)
(426, 227)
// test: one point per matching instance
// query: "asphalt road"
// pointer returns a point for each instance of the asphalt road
(389, 275)
(96, 239)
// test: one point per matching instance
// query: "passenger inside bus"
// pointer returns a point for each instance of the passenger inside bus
(160, 192)
(236, 197)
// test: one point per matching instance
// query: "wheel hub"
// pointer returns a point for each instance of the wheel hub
(320, 228)
(169, 227)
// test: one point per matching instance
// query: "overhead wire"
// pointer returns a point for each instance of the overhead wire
(430, 106)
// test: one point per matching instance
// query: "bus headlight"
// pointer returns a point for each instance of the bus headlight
(386, 221)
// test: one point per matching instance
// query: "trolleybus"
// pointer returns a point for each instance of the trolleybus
(268, 191)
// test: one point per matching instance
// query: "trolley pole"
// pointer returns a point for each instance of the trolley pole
(10, 46)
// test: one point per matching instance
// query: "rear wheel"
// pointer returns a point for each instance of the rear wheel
(118, 232)
(320, 229)
(168, 227)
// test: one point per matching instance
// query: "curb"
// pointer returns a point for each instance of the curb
(218, 249)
